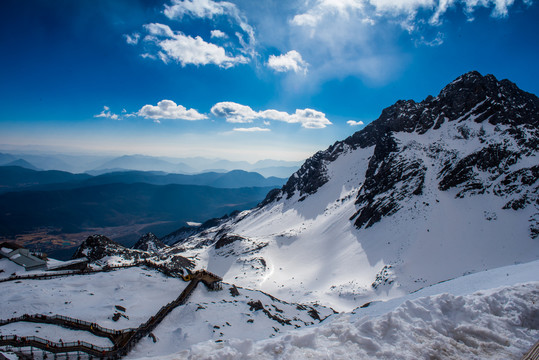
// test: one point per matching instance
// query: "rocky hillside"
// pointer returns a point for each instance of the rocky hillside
(469, 105)
(100, 250)
(149, 242)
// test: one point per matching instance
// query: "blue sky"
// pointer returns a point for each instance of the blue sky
(243, 80)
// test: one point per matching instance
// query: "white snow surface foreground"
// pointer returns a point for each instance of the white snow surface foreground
(451, 320)
(428, 192)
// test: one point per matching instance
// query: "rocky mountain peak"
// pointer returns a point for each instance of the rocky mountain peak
(96, 247)
(502, 118)
(149, 242)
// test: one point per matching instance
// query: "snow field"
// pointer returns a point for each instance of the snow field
(93, 297)
(8, 268)
(219, 316)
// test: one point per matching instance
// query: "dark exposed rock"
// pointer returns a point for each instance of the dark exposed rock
(389, 179)
(494, 159)
(314, 314)
(227, 239)
(255, 305)
(234, 291)
(149, 242)
(384, 277)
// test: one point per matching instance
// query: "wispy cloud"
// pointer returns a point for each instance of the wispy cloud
(106, 113)
(363, 38)
(168, 109)
(370, 10)
(252, 129)
(237, 113)
(291, 61)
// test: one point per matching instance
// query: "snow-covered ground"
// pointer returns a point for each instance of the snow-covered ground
(489, 315)
(93, 297)
(221, 315)
(8, 268)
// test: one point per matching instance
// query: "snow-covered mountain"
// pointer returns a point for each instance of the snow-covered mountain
(427, 192)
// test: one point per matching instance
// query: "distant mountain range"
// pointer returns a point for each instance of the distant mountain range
(146, 163)
(16, 178)
(97, 165)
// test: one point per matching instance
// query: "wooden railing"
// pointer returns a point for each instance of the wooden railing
(124, 340)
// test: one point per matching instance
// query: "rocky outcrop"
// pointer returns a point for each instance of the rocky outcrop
(149, 242)
(100, 248)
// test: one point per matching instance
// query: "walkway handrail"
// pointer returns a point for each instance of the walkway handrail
(55, 347)
(65, 320)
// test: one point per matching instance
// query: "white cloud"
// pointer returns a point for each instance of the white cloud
(208, 9)
(291, 61)
(218, 34)
(354, 123)
(132, 39)
(252, 129)
(187, 50)
(233, 112)
(310, 119)
(106, 113)
(167, 109)
(237, 113)
(157, 29)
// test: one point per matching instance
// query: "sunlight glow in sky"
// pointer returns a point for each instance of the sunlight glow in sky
(240, 79)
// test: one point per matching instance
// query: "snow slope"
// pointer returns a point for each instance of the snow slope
(220, 316)
(487, 315)
(428, 192)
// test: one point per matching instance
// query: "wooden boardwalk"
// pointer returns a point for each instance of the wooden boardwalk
(124, 340)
